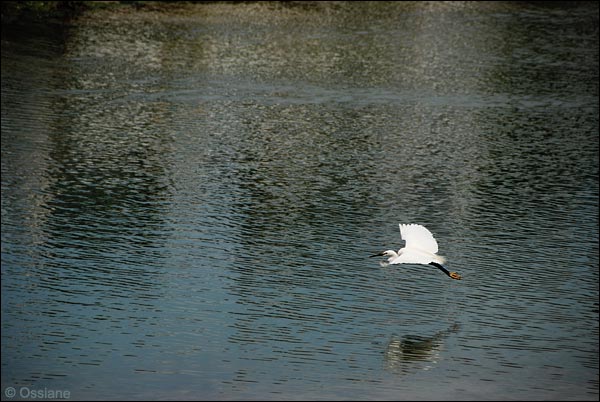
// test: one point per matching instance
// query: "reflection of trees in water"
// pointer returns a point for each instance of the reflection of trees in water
(405, 354)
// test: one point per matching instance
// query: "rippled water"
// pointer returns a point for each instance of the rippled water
(189, 200)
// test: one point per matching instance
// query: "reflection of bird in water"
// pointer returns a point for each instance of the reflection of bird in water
(405, 353)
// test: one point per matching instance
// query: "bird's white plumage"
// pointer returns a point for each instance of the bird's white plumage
(418, 237)
(420, 248)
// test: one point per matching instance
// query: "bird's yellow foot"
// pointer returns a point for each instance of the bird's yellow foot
(455, 275)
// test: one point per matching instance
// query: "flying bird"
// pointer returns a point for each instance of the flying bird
(421, 248)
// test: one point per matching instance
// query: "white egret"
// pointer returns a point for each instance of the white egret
(421, 248)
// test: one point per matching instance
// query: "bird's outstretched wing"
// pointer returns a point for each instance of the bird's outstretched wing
(417, 236)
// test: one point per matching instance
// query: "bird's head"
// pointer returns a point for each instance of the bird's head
(386, 253)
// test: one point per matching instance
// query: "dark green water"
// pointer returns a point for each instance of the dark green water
(189, 200)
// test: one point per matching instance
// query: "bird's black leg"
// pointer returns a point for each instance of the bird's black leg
(452, 275)
(440, 267)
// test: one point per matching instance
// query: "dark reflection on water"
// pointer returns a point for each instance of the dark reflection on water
(404, 353)
(189, 200)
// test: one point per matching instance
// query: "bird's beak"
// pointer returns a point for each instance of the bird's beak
(378, 254)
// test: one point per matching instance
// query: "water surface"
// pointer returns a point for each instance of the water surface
(189, 199)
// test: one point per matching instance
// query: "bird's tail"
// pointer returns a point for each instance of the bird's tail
(440, 259)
